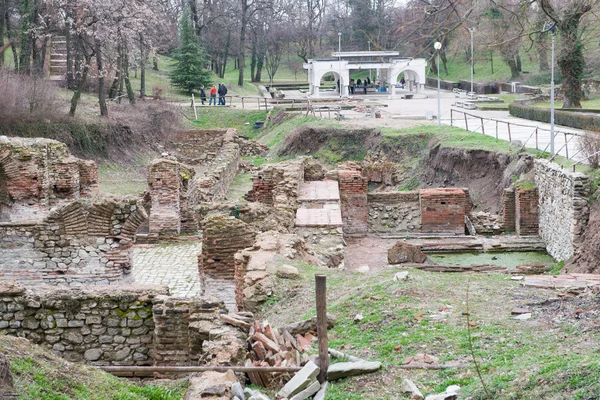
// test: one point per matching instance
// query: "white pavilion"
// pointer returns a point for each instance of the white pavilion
(387, 66)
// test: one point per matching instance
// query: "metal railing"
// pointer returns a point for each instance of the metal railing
(535, 133)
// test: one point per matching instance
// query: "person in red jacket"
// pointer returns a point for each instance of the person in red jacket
(213, 96)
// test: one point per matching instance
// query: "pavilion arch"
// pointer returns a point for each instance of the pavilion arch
(410, 73)
(336, 76)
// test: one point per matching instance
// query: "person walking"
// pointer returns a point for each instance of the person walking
(352, 86)
(202, 94)
(365, 85)
(213, 96)
(403, 82)
(222, 93)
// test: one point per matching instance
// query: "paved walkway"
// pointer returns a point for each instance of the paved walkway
(173, 265)
(320, 204)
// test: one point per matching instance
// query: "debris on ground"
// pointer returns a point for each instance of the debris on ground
(401, 276)
(211, 384)
(303, 379)
(271, 348)
(523, 317)
(409, 387)
(309, 325)
(451, 393)
(563, 281)
(520, 310)
(346, 369)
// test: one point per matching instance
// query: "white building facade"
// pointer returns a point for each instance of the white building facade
(387, 66)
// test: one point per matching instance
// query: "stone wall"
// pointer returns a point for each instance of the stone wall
(394, 212)
(80, 243)
(353, 198)
(196, 146)
(526, 211)
(443, 210)
(121, 325)
(509, 212)
(37, 174)
(563, 208)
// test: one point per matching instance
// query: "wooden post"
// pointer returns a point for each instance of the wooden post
(451, 121)
(566, 146)
(258, 102)
(466, 123)
(482, 128)
(321, 294)
(243, 103)
(536, 139)
(194, 105)
(265, 104)
(509, 137)
(496, 129)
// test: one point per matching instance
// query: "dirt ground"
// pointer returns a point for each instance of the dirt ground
(358, 120)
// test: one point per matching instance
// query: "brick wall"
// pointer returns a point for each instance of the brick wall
(222, 237)
(353, 198)
(164, 182)
(526, 211)
(443, 210)
(508, 210)
(80, 243)
(196, 146)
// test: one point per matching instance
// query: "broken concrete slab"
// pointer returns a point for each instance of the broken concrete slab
(401, 276)
(338, 354)
(322, 392)
(451, 393)
(523, 317)
(409, 387)
(300, 381)
(345, 369)
(308, 392)
(238, 391)
(255, 395)
(520, 310)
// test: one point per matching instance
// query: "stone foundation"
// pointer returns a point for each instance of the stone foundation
(133, 325)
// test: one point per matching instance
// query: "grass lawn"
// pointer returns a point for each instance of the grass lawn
(546, 357)
(591, 104)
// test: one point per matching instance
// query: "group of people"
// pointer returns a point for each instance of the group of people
(221, 91)
(358, 84)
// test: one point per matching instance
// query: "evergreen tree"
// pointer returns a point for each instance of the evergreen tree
(189, 72)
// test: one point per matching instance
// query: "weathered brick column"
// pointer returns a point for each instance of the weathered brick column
(443, 210)
(353, 197)
(527, 211)
(508, 210)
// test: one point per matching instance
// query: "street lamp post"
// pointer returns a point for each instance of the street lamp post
(552, 28)
(340, 62)
(438, 47)
(370, 60)
(472, 30)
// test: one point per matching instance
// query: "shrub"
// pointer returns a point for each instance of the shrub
(589, 144)
(158, 91)
(28, 98)
(572, 119)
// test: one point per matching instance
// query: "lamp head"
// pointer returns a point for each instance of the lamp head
(437, 46)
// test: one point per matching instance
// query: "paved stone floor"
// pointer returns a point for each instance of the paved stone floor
(173, 265)
(320, 204)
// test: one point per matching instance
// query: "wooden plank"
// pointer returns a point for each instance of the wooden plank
(321, 299)
(269, 344)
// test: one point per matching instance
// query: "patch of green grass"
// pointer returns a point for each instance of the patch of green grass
(221, 117)
(242, 183)
(508, 260)
(411, 184)
(591, 104)
(557, 268)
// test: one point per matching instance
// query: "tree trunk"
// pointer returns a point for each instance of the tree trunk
(444, 61)
(571, 63)
(101, 90)
(70, 80)
(143, 61)
(253, 58)
(514, 71)
(195, 18)
(492, 60)
(155, 62)
(226, 54)
(26, 38)
(2, 29)
(114, 86)
(518, 60)
(80, 85)
(130, 93)
(242, 52)
(13, 46)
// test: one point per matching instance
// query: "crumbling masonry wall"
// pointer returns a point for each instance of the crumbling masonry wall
(526, 211)
(37, 174)
(394, 212)
(78, 244)
(563, 208)
(168, 182)
(443, 210)
(118, 325)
